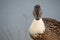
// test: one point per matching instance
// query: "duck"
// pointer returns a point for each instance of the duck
(43, 28)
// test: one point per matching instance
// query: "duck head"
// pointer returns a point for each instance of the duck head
(37, 12)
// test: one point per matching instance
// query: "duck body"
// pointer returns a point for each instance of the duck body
(45, 29)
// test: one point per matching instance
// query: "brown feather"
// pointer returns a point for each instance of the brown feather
(52, 31)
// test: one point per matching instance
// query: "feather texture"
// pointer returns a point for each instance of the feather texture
(52, 30)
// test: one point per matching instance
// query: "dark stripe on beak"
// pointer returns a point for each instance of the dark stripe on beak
(37, 13)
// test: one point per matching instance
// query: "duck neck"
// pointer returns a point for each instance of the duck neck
(39, 24)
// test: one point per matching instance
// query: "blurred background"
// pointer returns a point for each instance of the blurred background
(16, 16)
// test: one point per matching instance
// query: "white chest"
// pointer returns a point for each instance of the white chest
(37, 26)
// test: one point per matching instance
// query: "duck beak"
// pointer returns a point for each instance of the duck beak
(37, 15)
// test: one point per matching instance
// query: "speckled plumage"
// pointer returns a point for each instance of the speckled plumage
(52, 31)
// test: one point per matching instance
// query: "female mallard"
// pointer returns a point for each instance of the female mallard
(44, 28)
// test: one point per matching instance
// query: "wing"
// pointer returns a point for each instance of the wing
(52, 29)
